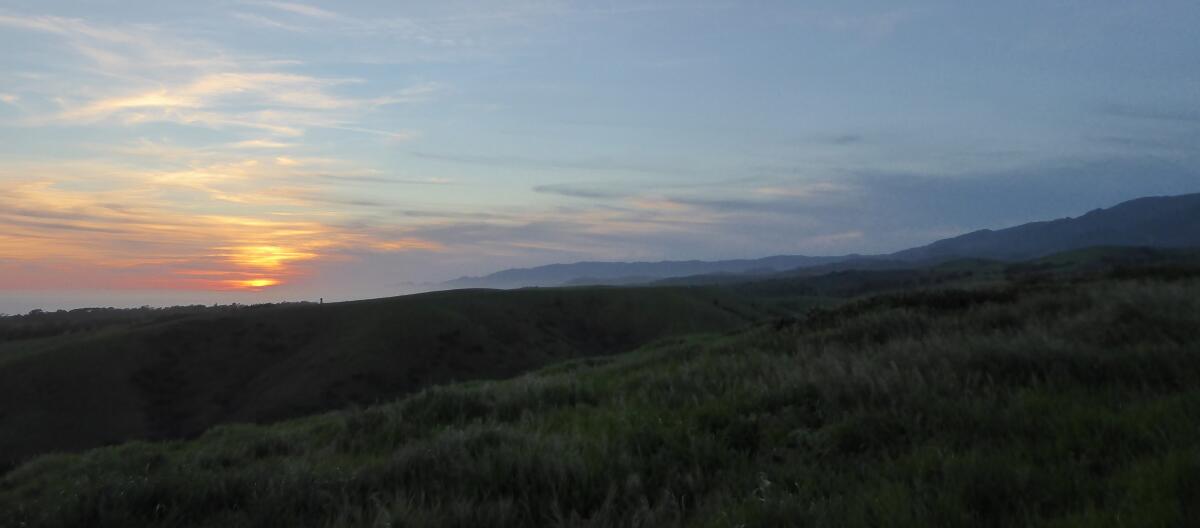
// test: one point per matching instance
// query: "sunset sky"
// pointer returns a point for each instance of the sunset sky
(248, 151)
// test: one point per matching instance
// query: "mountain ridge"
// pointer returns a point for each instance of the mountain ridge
(602, 271)
(1151, 221)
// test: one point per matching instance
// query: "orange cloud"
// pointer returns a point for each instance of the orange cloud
(253, 284)
(265, 257)
(406, 244)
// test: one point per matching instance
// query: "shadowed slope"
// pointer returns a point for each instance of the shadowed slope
(180, 377)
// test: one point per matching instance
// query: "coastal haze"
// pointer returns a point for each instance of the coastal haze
(161, 154)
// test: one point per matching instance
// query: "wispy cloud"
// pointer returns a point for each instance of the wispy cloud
(580, 191)
(164, 78)
(387, 180)
(304, 10)
(261, 144)
(805, 190)
(70, 27)
(280, 103)
(123, 51)
(549, 164)
(433, 27)
(263, 21)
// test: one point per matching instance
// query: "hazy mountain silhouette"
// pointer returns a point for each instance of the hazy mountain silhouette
(1154, 222)
(1161, 222)
(633, 272)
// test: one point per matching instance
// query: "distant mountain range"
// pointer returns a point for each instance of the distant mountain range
(1157, 222)
(591, 273)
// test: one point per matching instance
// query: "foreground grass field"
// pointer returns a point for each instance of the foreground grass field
(1053, 403)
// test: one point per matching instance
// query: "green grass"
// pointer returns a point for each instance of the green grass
(162, 379)
(1067, 403)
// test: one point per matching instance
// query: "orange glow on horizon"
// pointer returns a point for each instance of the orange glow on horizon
(57, 237)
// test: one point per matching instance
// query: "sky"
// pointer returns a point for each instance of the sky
(256, 151)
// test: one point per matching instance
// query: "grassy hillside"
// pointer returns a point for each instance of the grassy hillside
(131, 377)
(1052, 403)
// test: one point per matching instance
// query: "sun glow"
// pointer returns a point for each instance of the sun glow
(253, 284)
(267, 257)
(94, 243)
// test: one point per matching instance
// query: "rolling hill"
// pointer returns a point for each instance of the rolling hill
(158, 378)
(1063, 403)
